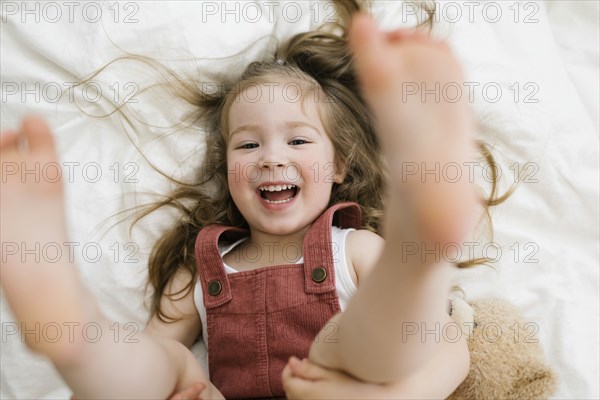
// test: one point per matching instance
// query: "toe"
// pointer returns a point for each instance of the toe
(38, 135)
(9, 140)
(369, 47)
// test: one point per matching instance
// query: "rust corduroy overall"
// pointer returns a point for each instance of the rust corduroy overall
(257, 319)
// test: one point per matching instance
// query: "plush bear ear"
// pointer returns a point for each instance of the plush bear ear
(462, 313)
(507, 360)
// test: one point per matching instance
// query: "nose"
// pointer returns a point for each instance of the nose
(272, 156)
(271, 164)
(271, 168)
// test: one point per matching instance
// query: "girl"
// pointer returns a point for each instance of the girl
(283, 173)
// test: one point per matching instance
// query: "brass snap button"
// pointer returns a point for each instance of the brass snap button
(319, 274)
(214, 287)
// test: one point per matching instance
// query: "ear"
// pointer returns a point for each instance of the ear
(340, 171)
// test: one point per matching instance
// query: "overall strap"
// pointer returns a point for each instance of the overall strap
(319, 274)
(209, 262)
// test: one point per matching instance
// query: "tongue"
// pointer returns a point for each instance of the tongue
(277, 196)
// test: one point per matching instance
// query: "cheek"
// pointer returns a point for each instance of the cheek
(233, 180)
(319, 172)
(233, 177)
(238, 194)
(241, 179)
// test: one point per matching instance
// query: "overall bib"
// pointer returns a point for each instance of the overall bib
(257, 319)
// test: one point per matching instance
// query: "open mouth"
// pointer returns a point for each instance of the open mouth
(278, 194)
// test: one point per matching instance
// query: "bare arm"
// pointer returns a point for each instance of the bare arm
(186, 331)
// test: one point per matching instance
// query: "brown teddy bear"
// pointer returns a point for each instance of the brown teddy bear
(507, 362)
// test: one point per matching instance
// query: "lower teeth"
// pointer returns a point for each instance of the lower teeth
(278, 201)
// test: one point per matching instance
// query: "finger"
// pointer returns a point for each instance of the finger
(286, 377)
(307, 370)
(298, 388)
(195, 390)
(286, 373)
(190, 393)
(38, 135)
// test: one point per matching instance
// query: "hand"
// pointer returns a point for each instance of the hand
(191, 393)
(419, 130)
(306, 380)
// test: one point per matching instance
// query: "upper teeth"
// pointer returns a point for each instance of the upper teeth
(276, 188)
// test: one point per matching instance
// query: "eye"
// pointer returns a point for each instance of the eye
(248, 146)
(297, 142)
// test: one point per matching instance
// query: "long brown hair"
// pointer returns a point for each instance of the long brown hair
(319, 58)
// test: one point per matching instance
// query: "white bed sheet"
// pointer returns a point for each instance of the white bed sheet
(548, 230)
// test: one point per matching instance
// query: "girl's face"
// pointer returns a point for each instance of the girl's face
(281, 162)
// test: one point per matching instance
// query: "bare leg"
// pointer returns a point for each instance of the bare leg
(44, 293)
(406, 290)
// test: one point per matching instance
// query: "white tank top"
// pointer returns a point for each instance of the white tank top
(344, 285)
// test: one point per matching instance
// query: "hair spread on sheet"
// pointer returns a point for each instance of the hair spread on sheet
(321, 63)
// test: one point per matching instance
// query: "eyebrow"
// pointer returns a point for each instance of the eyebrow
(288, 124)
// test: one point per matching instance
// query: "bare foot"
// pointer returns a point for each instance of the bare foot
(33, 217)
(30, 199)
(421, 135)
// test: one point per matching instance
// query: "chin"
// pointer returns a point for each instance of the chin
(281, 230)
